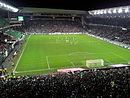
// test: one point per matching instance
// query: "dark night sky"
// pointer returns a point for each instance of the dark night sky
(69, 4)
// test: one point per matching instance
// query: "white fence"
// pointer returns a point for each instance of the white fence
(55, 33)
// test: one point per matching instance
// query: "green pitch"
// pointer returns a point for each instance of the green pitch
(47, 53)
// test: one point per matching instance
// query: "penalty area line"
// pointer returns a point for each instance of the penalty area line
(21, 55)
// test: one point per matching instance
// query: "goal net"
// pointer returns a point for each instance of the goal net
(95, 63)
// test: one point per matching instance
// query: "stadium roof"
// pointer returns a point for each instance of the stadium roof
(86, 5)
(48, 10)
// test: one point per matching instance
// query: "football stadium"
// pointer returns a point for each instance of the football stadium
(61, 53)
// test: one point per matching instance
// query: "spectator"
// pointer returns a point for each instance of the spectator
(52, 26)
(109, 32)
(92, 84)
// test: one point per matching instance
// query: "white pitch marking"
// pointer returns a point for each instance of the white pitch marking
(120, 56)
(72, 64)
(21, 55)
(31, 70)
(38, 70)
(47, 62)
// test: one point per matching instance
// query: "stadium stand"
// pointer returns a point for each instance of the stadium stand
(3, 22)
(4, 46)
(112, 83)
(52, 26)
(109, 32)
(13, 34)
(94, 83)
(6, 37)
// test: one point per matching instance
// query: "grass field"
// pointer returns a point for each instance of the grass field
(47, 53)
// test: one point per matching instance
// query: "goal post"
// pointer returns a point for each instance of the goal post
(95, 63)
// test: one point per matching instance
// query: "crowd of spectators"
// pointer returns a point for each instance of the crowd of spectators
(67, 26)
(52, 26)
(18, 29)
(3, 44)
(112, 83)
(109, 32)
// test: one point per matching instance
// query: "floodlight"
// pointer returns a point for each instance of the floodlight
(101, 12)
(8, 7)
(15, 10)
(95, 13)
(126, 10)
(91, 13)
(120, 10)
(109, 11)
(105, 11)
(114, 10)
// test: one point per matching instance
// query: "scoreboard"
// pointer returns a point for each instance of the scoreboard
(20, 18)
